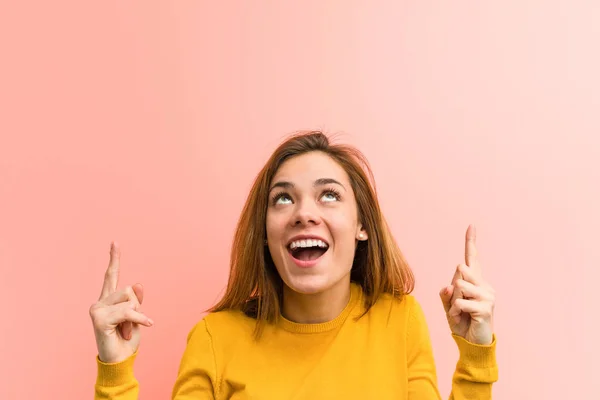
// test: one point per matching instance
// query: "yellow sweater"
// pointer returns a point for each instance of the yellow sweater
(386, 354)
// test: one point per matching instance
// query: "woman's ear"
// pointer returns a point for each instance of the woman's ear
(361, 234)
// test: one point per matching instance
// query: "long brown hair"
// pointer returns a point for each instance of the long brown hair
(254, 285)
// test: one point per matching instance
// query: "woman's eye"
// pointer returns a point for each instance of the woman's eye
(330, 196)
(282, 199)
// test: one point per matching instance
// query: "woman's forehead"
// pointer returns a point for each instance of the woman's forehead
(310, 167)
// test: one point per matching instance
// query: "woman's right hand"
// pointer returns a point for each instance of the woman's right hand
(116, 315)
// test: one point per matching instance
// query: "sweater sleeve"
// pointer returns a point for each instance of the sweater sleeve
(115, 381)
(475, 371)
(195, 380)
(197, 377)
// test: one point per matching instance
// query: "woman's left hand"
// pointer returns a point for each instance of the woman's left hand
(469, 300)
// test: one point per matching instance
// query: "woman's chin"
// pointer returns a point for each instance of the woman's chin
(308, 284)
(315, 283)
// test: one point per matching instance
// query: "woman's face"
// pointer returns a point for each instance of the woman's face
(312, 223)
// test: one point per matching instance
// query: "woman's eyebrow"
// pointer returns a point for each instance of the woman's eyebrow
(327, 181)
(318, 182)
(282, 184)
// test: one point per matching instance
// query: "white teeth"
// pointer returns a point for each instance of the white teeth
(308, 243)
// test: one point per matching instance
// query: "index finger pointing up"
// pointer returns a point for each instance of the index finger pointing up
(111, 278)
(470, 248)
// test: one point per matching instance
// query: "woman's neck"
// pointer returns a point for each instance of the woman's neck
(318, 307)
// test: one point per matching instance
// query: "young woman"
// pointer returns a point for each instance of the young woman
(317, 305)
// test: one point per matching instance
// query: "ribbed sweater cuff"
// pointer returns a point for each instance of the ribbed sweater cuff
(476, 355)
(115, 374)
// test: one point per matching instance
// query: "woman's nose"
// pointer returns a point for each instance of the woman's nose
(306, 214)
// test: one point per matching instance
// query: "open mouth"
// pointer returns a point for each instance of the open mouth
(307, 249)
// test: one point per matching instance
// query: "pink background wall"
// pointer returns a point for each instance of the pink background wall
(145, 123)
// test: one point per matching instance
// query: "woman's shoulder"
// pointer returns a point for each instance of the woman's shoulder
(226, 321)
(402, 303)
(394, 308)
(222, 328)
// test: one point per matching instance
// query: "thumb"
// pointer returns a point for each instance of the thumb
(446, 297)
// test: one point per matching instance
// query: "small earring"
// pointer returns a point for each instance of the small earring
(361, 235)
(266, 242)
